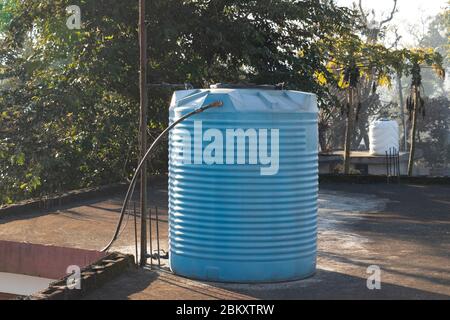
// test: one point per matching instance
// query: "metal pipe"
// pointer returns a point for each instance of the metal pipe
(143, 126)
(214, 104)
(150, 236)
(387, 165)
(390, 162)
(135, 232)
(157, 237)
(395, 163)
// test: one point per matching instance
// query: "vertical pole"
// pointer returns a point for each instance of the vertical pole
(157, 237)
(348, 132)
(390, 163)
(143, 126)
(397, 153)
(413, 133)
(150, 237)
(387, 166)
(135, 233)
(394, 160)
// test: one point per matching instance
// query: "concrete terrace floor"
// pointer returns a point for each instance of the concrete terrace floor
(404, 229)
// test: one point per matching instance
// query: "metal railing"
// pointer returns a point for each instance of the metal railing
(130, 204)
(392, 160)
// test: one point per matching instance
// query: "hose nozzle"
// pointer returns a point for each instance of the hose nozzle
(215, 104)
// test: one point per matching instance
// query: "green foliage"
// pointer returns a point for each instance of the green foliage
(364, 65)
(377, 61)
(7, 8)
(69, 98)
(433, 132)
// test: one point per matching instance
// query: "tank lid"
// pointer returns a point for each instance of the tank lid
(247, 86)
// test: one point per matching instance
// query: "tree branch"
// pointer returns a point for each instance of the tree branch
(363, 14)
(391, 16)
(396, 41)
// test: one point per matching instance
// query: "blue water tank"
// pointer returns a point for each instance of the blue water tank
(243, 185)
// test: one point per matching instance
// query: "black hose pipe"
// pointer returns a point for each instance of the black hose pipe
(214, 104)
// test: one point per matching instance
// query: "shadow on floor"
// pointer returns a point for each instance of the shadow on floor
(415, 214)
(324, 285)
(329, 285)
(160, 285)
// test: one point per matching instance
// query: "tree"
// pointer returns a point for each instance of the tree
(6, 13)
(436, 37)
(360, 67)
(415, 102)
(374, 31)
(433, 133)
(69, 112)
(361, 55)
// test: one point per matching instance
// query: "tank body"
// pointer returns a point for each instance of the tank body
(383, 136)
(243, 185)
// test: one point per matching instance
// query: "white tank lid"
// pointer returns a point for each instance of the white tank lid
(247, 100)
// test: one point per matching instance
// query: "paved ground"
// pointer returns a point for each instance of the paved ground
(403, 229)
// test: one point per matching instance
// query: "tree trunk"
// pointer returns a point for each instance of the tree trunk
(323, 138)
(357, 140)
(348, 132)
(402, 112)
(413, 133)
(362, 134)
(366, 139)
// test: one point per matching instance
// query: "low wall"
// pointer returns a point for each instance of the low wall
(43, 261)
(45, 203)
(363, 179)
(69, 197)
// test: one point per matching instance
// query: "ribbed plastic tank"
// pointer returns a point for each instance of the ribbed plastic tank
(243, 185)
(383, 136)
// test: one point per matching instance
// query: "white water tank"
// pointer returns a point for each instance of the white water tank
(383, 135)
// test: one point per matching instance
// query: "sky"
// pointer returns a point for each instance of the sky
(410, 12)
